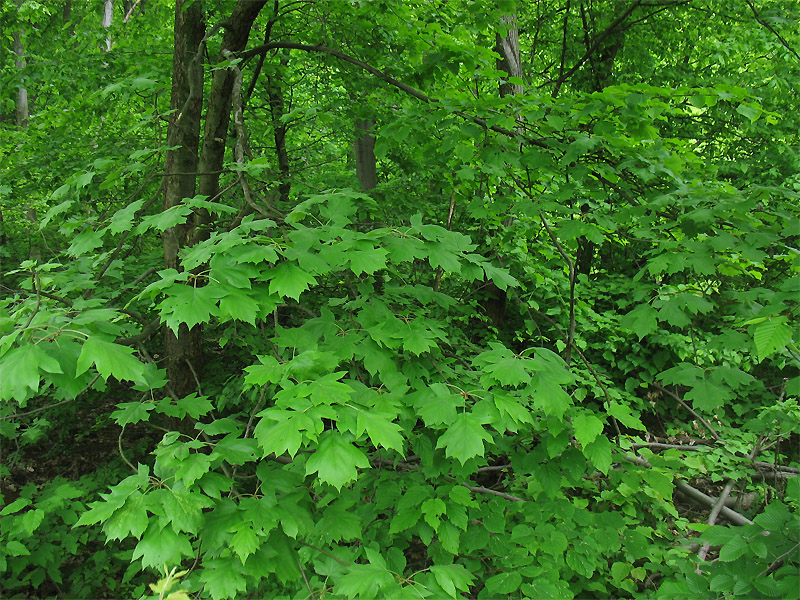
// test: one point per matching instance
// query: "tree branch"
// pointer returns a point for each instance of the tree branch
(388, 79)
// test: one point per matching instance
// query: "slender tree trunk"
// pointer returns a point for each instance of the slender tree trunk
(108, 15)
(218, 113)
(364, 146)
(23, 111)
(183, 352)
(188, 175)
(507, 46)
(510, 58)
(277, 108)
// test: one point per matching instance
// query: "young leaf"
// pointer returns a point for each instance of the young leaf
(599, 453)
(283, 436)
(587, 427)
(161, 545)
(381, 430)
(111, 360)
(452, 578)
(132, 412)
(504, 583)
(289, 280)
(464, 438)
(189, 305)
(336, 459)
(771, 336)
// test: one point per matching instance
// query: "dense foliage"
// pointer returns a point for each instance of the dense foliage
(381, 299)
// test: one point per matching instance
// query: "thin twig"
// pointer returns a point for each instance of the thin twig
(571, 265)
(680, 401)
(328, 554)
(305, 579)
(778, 562)
(484, 490)
(772, 30)
(121, 453)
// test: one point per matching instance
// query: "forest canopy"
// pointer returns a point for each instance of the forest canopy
(400, 299)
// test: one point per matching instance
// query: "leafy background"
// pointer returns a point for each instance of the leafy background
(549, 351)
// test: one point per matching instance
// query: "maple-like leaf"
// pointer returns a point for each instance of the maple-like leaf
(464, 438)
(336, 459)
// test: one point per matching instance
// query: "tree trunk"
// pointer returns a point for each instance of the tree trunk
(108, 15)
(366, 167)
(218, 113)
(510, 58)
(23, 111)
(494, 304)
(183, 352)
(276, 108)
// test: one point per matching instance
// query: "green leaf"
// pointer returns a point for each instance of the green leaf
(500, 277)
(222, 578)
(189, 305)
(452, 578)
(165, 219)
(123, 218)
(284, 436)
(245, 542)
(363, 581)
(736, 547)
(503, 366)
(84, 242)
(269, 371)
(184, 509)
(404, 519)
(192, 468)
(289, 280)
(464, 438)
(660, 482)
(449, 536)
(14, 506)
(707, 395)
(16, 548)
(335, 460)
(110, 359)
(587, 427)
(381, 430)
(440, 257)
(750, 111)
(771, 336)
(238, 305)
(367, 261)
(641, 320)
(418, 338)
(550, 397)
(329, 390)
(195, 406)
(236, 450)
(504, 583)
(21, 368)
(161, 546)
(599, 453)
(622, 413)
(131, 519)
(132, 412)
(432, 509)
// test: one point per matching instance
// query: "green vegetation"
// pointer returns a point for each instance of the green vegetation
(404, 300)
